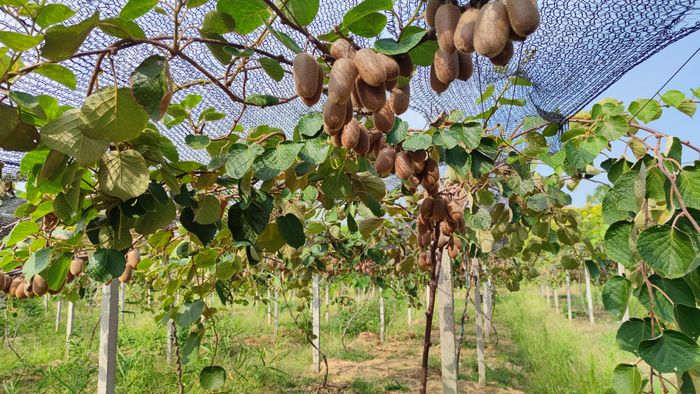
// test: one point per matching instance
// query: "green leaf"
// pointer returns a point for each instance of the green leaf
(417, 141)
(21, 232)
(58, 73)
(37, 262)
(190, 352)
(688, 182)
(212, 377)
(424, 54)
(246, 223)
(152, 86)
(315, 151)
(302, 12)
(309, 125)
(55, 275)
(240, 158)
(286, 40)
(538, 202)
(632, 332)
(197, 141)
(64, 134)
(248, 14)
(221, 52)
(292, 230)
(208, 210)
(488, 92)
(617, 244)
(645, 110)
(276, 160)
(688, 319)
(272, 68)
(673, 98)
(613, 128)
(189, 313)
(136, 8)
(671, 352)
(152, 221)
(270, 239)
(368, 226)
(204, 232)
(667, 250)
(398, 133)
(627, 379)
(62, 42)
(122, 28)
(616, 294)
(459, 160)
(218, 23)
(261, 100)
(105, 265)
(688, 107)
(410, 37)
(581, 152)
(18, 41)
(113, 114)
(123, 174)
(51, 14)
(362, 10)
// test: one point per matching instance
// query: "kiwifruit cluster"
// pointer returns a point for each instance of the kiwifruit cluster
(443, 210)
(366, 267)
(489, 30)
(416, 167)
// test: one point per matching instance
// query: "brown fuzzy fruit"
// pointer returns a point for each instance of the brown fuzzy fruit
(492, 29)
(443, 241)
(351, 134)
(311, 101)
(403, 165)
(445, 228)
(405, 65)
(418, 167)
(524, 16)
(466, 66)
(373, 98)
(21, 290)
(431, 174)
(374, 136)
(430, 11)
(455, 211)
(437, 86)
(133, 258)
(457, 243)
(446, 19)
(439, 209)
(464, 32)
(14, 285)
(399, 99)
(504, 57)
(341, 80)
(446, 66)
(384, 118)
(426, 207)
(305, 71)
(419, 155)
(39, 285)
(342, 49)
(453, 250)
(513, 36)
(380, 144)
(334, 115)
(363, 144)
(385, 160)
(126, 276)
(389, 85)
(76, 266)
(337, 140)
(370, 67)
(390, 65)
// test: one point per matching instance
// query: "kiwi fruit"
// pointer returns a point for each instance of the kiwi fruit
(355, 97)
(426, 207)
(453, 250)
(336, 139)
(373, 98)
(334, 115)
(446, 19)
(504, 57)
(39, 285)
(464, 32)
(133, 258)
(377, 146)
(351, 134)
(385, 160)
(431, 174)
(389, 85)
(405, 65)
(430, 11)
(370, 67)
(418, 167)
(6, 286)
(76, 266)
(419, 155)
(492, 29)
(305, 71)
(445, 228)
(390, 65)
(524, 16)
(341, 80)
(311, 101)
(443, 240)
(14, 285)
(437, 86)
(363, 145)
(466, 66)
(446, 66)
(21, 290)
(513, 36)
(403, 165)
(399, 99)
(126, 276)
(439, 209)
(342, 49)
(374, 136)
(384, 118)
(455, 211)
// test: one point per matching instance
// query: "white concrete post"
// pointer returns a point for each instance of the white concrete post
(109, 325)
(481, 363)
(316, 323)
(621, 272)
(381, 316)
(122, 299)
(446, 310)
(69, 326)
(546, 291)
(410, 317)
(487, 309)
(46, 303)
(589, 296)
(568, 295)
(269, 307)
(58, 314)
(556, 299)
(328, 303)
(276, 311)
(358, 295)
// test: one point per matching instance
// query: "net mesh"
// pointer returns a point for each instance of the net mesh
(581, 48)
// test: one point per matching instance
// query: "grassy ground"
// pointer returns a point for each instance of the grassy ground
(536, 350)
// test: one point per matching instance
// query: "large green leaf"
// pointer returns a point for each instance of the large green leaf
(113, 114)
(627, 379)
(37, 262)
(212, 377)
(58, 73)
(189, 313)
(208, 210)
(632, 332)
(16, 135)
(667, 250)
(55, 275)
(417, 141)
(248, 14)
(152, 221)
(18, 41)
(62, 42)
(617, 244)
(616, 294)
(240, 158)
(21, 232)
(369, 26)
(270, 239)
(410, 37)
(459, 160)
(204, 232)
(671, 352)
(613, 128)
(302, 12)
(645, 110)
(581, 152)
(688, 319)
(292, 230)
(688, 182)
(64, 134)
(123, 174)
(122, 28)
(362, 10)
(51, 14)
(272, 68)
(105, 265)
(152, 86)
(136, 8)
(276, 160)
(246, 222)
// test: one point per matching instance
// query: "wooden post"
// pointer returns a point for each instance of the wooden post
(568, 295)
(109, 325)
(546, 291)
(481, 362)
(58, 314)
(381, 316)
(328, 302)
(446, 311)
(621, 272)
(269, 307)
(69, 326)
(276, 311)
(589, 296)
(122, 299)
(316, 323)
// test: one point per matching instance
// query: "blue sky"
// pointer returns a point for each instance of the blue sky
(642, 82)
